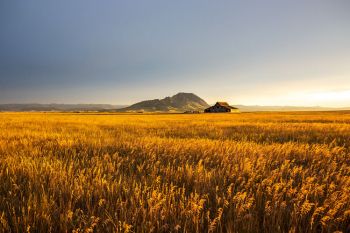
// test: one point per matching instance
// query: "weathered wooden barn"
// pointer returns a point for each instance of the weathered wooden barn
(221, 107)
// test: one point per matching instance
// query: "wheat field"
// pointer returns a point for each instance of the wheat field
(248, 172)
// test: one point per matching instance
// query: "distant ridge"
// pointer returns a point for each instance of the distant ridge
(177, 103)
(161, 107)
(57, 107)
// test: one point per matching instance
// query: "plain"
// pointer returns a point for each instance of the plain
(248, 172)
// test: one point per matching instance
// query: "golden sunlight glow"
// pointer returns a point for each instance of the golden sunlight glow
(340, 98)
(331, 96)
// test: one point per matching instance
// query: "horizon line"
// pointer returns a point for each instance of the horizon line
(244, 105)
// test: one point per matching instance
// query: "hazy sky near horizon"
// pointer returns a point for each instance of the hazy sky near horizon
(271, 52)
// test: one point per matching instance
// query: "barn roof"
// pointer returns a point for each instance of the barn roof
(222, 103)
(225, 105)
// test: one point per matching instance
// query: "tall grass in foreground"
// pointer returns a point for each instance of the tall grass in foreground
(272, 172)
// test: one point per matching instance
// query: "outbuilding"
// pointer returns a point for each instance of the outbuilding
(221, 107)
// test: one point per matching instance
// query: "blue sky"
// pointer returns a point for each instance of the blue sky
(273, 52)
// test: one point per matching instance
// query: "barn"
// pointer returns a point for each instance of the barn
(221, 107)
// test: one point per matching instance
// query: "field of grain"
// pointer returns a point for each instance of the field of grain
(249, 172)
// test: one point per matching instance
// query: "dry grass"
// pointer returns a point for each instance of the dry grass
(251, 172)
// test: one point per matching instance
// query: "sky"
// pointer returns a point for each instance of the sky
(252, 52)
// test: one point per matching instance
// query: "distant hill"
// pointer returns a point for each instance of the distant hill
(178, 103)
(57, 107)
